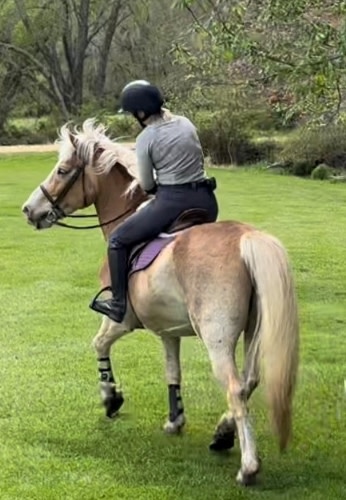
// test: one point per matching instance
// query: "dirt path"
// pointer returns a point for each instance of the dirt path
(28, 148)
(36, 148)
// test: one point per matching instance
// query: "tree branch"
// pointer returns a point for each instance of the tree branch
(29, 56)
(40, 67)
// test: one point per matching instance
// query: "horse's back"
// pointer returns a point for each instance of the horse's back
(222, 235)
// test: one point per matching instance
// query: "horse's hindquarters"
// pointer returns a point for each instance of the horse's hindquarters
(198, 277)
(212, 275)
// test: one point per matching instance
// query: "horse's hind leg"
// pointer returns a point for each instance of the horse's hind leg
(109, 332)
(221, 344)
(251, 357)
(224, 435)
(251, 365)
(176, 418)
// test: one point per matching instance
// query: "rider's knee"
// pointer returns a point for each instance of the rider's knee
(114, 241)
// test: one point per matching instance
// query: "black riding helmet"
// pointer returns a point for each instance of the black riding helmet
(140, 95)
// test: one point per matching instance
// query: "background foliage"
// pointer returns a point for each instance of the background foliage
(240, 69)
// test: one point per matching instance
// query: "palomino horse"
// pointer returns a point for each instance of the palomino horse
(215, 280)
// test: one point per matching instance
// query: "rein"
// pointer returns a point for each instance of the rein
(93, 226)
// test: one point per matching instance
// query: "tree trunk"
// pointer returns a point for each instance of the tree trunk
(77, 75)
(100, 78)
(9, 86)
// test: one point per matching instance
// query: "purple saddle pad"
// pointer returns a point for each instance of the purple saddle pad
(148, 254)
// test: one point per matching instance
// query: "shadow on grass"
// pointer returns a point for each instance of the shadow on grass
(140, 454)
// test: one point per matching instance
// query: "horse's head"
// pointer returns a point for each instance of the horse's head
(67, 188)
(73, 183)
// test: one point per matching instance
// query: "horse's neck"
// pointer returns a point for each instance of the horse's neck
(111, 203)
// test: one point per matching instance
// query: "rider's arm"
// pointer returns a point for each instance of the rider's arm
(144, 164)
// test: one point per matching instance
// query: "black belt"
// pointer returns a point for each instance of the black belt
(210, 183)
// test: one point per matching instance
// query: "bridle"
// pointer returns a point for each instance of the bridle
(56, 212)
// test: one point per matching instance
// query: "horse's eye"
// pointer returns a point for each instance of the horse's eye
(62, 171)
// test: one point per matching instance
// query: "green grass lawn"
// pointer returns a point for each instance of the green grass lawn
(55, 440)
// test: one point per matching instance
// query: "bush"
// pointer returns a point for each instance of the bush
(321, 172)
(256, 112)
(30, 131)
(224, 138)
(121, 126)
(44, 130)
(313, 147)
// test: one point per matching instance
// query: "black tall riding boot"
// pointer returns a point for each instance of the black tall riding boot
(115, 308)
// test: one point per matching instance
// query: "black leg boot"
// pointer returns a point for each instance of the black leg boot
(115, 308)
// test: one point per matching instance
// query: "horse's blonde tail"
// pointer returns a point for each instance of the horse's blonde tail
(276, 338)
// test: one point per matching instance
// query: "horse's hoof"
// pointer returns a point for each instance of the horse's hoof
(113, 403)
(176, 426)
(222, 442)
(249, 478)
(246, 479)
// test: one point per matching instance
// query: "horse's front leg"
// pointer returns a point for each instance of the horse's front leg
(109, 332)
(176, 418)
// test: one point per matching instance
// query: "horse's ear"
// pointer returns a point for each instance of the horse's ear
(73, 139)
(97, 152)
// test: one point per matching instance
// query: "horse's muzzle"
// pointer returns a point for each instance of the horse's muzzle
(44, 220)
(54, 215)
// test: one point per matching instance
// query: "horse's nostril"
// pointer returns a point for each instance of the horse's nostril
(26, 210)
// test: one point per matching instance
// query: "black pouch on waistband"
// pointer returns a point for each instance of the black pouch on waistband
(212, 183)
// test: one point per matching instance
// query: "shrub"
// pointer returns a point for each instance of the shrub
(312, 147)
(121, 126)
(224, 138)
(256, 112)
(45, 129)
(268, 150)
(30, 131)
(321, 172)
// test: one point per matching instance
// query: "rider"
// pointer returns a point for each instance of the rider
(170, 165)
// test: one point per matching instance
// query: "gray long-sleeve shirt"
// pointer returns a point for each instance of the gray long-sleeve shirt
(169, 150)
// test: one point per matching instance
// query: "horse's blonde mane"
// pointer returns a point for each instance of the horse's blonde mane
(90, 138)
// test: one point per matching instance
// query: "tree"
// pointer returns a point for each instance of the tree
(12, 70)
(142, 46)
(57, 38)
(298, 46)
(11, 78)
